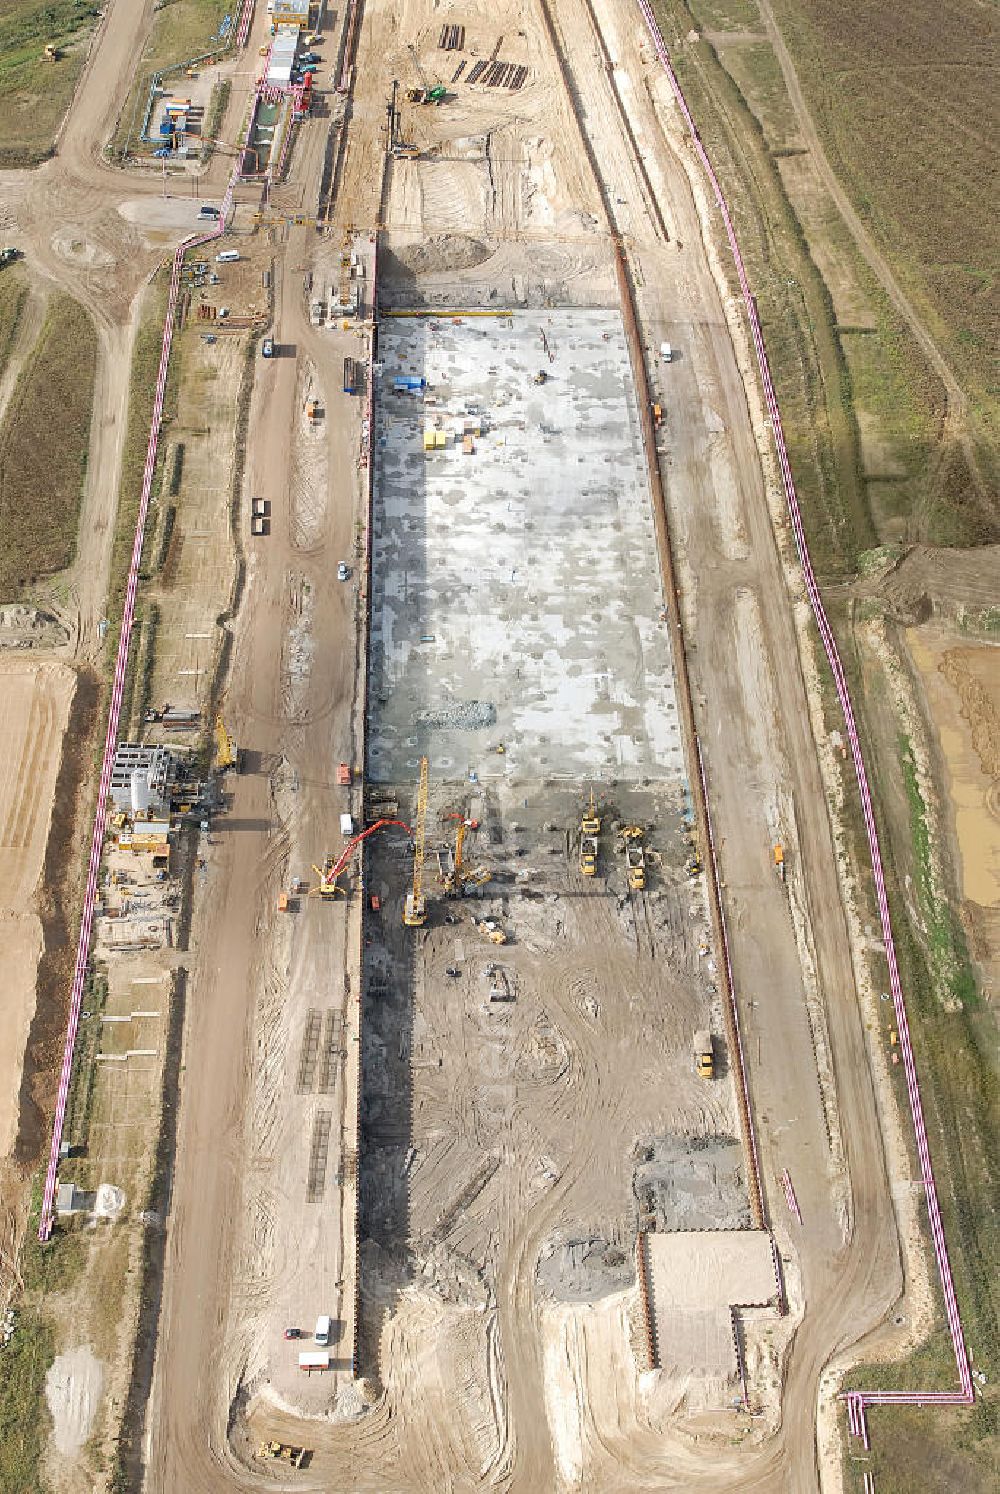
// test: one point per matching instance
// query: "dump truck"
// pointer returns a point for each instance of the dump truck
(344, 775)
(588, 855)
(350, 376)
(779, 861)
(635, 860)
(704, 1055)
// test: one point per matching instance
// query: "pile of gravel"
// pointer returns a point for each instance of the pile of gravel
(464, 715)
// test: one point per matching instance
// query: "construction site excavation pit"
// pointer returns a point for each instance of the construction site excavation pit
(529, 1050)
(516, 597)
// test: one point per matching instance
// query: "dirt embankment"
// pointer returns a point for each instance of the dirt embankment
(58, 908)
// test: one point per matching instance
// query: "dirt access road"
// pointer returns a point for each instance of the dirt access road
(754, 722)
(242, 1246)
(99, 233)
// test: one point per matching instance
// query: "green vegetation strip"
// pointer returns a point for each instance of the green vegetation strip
(26, 1359)
(34, 92)
(13, 294)
(43, 449)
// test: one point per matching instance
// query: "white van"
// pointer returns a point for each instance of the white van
(227, 257)
(666, 352)
(323, 1326)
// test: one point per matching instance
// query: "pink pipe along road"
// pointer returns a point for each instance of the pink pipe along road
(857, 1400)
(117, 690)
(118, 684)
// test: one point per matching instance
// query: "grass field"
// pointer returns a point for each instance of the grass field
(34, 94)
(13, 289)
(905, 99)
(41, 476)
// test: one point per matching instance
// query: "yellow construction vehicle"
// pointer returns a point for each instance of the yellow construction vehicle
(779, 861)
(490, 929)
(704, 1056)
(285, 1452)
(461, 876)
(51, 53)
(328, 885)
(227, 754)
(415, 908)
(590, 829)
(590, 824)
(635, 857)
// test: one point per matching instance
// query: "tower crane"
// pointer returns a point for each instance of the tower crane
(415, 909)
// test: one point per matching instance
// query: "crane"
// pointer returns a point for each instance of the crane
(429, 93)
(328, 876)
(226, 750)
(461, 876)
(415, 910)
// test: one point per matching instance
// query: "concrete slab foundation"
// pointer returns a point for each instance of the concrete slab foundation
(516, 595)
(696, 1279)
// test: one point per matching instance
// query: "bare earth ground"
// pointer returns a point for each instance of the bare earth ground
(500, 1196)
(37, 700)
(961, 681)
(243, 1133)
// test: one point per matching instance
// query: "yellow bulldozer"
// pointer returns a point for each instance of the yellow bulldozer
(284, 1452)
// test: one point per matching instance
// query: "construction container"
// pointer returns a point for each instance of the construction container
(468, 445)
(428, 440)
(440, 439)
(314, 1359)
(346, 826)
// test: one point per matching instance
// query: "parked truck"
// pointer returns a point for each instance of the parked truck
(704, 1055)
(350, 376)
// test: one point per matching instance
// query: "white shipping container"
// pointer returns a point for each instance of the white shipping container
(346, 826)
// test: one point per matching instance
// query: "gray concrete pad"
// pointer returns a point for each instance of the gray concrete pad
(516, 589)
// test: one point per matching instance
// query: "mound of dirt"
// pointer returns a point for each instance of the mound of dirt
(440, 252)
